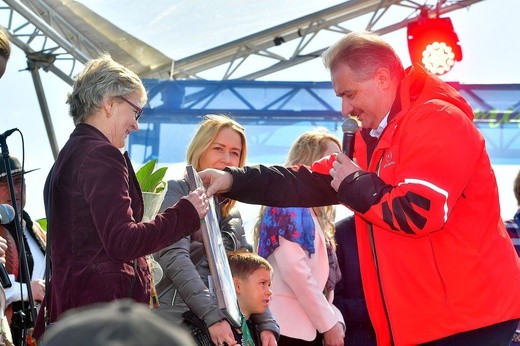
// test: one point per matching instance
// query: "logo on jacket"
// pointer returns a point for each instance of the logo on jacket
(388, 159)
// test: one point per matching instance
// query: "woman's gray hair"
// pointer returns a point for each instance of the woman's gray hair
(364, 52)
(101, 78)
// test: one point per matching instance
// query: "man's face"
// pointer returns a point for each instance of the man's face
(363, 99)
(5, 197)
(254, 293)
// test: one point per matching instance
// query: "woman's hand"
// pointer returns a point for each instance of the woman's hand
(221, 333)
(199, 200)
(335, 336)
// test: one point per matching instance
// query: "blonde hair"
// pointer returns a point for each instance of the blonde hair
(308, 148)
(5, 45)
(102, 77)
(208, 130)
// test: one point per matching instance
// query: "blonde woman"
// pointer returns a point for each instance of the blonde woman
(183, 292)
(297, 242)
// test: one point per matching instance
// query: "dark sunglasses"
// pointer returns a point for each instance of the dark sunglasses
(138, 110)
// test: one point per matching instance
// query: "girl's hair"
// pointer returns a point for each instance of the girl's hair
(208, 130)
(308, 148)
(101, 78)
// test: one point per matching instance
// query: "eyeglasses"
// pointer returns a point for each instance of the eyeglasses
(138, 110)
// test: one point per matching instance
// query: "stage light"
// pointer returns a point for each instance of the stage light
(433, 43)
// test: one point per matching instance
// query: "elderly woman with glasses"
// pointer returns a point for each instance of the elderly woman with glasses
(94, 204)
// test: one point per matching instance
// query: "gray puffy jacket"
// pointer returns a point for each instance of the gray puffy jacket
(184, 285)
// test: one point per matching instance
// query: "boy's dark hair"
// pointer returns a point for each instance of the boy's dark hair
(243, 264)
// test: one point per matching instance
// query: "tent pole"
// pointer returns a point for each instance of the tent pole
(34, 67)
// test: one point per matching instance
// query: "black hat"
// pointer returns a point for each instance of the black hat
(16, 167)
(121, 322)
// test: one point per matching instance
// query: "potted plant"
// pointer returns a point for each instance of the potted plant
(153, 188)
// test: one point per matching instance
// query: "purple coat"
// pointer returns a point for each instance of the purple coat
(98, 243)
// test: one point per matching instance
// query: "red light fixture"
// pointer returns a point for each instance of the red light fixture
(433, 43)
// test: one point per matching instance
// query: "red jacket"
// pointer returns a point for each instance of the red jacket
(441, 262)
(434, 255)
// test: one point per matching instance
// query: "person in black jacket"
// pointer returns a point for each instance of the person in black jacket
(349, 297)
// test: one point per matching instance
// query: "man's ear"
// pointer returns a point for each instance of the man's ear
(383, 78)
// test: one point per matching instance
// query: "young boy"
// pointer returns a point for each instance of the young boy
(252, 279)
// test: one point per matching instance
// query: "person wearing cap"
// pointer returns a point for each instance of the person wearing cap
(94, 204)
(122, 322)
(34, 244)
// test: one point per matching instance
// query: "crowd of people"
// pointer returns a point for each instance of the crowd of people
(418, 263)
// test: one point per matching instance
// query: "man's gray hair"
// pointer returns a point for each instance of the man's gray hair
(363, 52)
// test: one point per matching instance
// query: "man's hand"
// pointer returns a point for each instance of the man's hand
(199, 200)
(38, 290)
(267, 338)
(335, 336)
(221, 333)
(341, 168)
(216, 181)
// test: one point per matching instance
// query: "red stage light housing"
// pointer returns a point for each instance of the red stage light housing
(433, 43)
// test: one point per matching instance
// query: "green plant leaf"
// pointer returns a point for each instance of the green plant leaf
(150, 180)
(160, 187)
(144, 172)
(43, 223)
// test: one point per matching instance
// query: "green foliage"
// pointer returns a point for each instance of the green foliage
(150, 180)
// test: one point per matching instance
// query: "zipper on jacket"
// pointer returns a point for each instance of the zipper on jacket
(376, 263)
(380, 285)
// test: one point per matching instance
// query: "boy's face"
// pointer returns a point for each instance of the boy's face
(254, 293)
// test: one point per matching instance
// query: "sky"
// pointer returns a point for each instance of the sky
(488, 32)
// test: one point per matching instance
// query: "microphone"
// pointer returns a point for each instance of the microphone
(8, 133)
(349, 127)
(6, 214)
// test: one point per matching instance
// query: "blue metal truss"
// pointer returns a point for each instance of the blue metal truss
(275, 113)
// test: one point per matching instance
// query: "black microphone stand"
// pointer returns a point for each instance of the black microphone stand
(20, 319)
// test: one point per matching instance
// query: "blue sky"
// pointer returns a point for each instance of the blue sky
(488, 32)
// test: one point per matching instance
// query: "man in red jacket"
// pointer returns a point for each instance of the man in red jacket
(436, 263)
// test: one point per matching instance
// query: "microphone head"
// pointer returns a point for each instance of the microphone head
(6, 214)
(349, 126)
